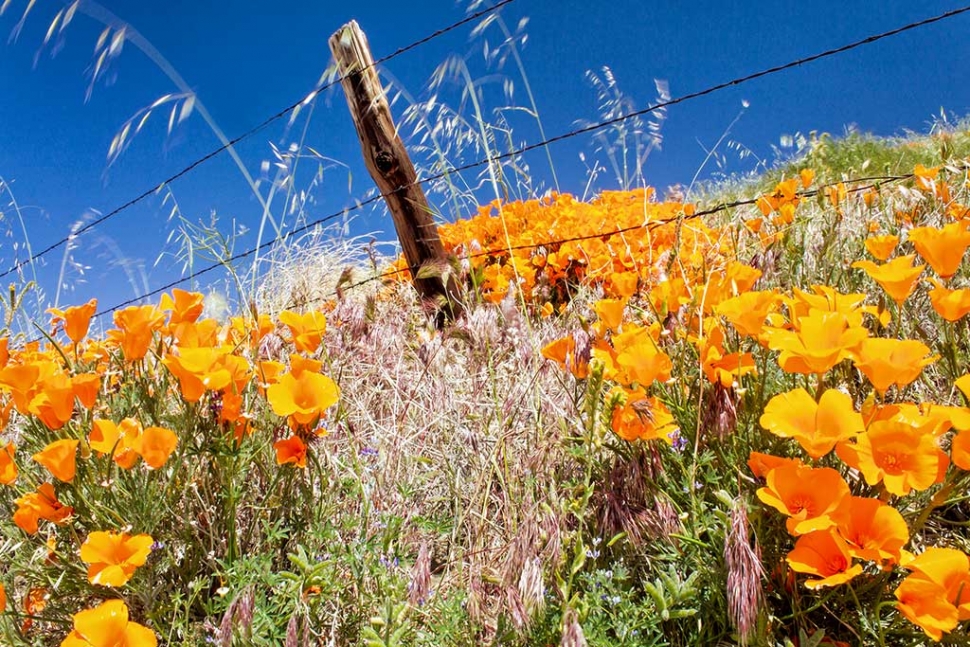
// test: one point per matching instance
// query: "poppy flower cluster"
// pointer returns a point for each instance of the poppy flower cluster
(897, 448)
(893, 446)
(620, 241)
(846, 518)
(78, 429)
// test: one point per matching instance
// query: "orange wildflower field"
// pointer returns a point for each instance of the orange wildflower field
(656, 422)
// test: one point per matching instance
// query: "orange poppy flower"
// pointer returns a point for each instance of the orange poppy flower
(34, 603)
(950, 568)
(786, 192)
(610, 312)
(290, 450)
(155, 445)
(836, 193)
(807, 495)
(3, 599)
(104, 435)
(669, 294)
(826, 299)
(40, 504)
(726, 369)
(963, 383)
(302, 399)
(816, 426)
(232, 414)
(640, 417)
(268, 372)
(928, 418)
(946, 417)
(86, 387)
(936, 596)
(942, 248)
(196, 334)
(959, 450)
(232, 407)
(638, 359)
(60, 459)
(825, 554)
(747, 312)
(255, 330)
(821, 341)
(184, 306)
(807, 176)
(924, 174)
(20, 381)
(112, 557)
(737, 278)
(881, 247)
(897, 277)
(765, 205)
(958, 211)
(107, 625)
(873, 530)
(952, 305)
(8, 467)
(786, 215)
(136, 326)
(300, 364)
(624, 284)
(760, 464)
(896, 454)
(924, 603)
(5, 410)
(563, 352)
(120, 440)
(53, 398)
(307, 329)
(718, 366)
(76, 319)
(891, 361)
(206, 369)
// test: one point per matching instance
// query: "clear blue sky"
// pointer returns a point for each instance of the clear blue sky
(245, 60)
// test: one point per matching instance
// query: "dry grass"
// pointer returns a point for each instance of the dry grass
(462, 430)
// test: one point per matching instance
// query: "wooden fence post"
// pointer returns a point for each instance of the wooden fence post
(388, 162)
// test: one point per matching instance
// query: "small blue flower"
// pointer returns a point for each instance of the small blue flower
(679, 443)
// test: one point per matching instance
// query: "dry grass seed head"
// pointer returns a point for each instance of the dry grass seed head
(742, 556)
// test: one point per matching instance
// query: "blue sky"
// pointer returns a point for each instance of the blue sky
(245, 60)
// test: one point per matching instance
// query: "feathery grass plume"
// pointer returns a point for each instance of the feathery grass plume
(13, 309)
(297, 633)
(625, 496)
(419, 588)
(531, 589)
(515, 608)
(520, 554)
(238, 618)
(626, 144)
(720, 417)
(745, 573)
(572, 632)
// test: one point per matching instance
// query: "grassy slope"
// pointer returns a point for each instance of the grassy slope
(469, 491)
(458, 448)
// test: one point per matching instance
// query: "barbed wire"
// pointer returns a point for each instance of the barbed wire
(701, 93)
(249, 133)
(876, 181)
(557, 138)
